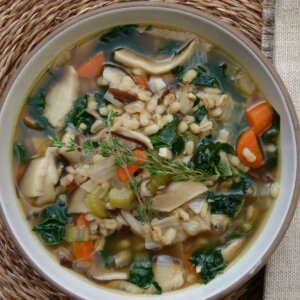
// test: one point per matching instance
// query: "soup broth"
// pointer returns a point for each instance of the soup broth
(146, 159)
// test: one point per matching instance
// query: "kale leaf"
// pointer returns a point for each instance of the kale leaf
(52, 223)
(178, 72)
(203, 78)
(141, 273)
(20, 152)
(229, 204)
(79, 115)
(168, 137)
(36, 107)
(117, 31)
(241, 187)
(200, 113)
(206, 157)
(209, 263)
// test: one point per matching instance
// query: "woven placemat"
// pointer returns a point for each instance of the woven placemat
(25, 23)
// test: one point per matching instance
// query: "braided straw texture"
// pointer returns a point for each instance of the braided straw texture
(23, 25)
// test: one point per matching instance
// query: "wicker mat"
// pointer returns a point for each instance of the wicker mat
(23, 24)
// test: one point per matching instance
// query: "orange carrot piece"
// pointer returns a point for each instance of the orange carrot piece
(83, 250)
(187, 262)
(260, 117)
(141, 80)
(131, 168)
(82, 222)
(249, 140)
(92, 67)
(71, 187)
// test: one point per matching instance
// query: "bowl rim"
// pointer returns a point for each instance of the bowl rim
(249, 44)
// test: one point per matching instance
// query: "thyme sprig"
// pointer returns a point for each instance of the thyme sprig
(123, 155)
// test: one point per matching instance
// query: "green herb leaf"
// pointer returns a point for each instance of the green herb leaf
(20, 152)
(168, 137)
(225, 204)
(79, 115)
(200, 113)
(209, 263)
(36, 107)
(141, 273)
(206, 157)
(52, 223)
(117, 31)
(203, 78)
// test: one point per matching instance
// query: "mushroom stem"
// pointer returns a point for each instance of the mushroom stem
(131, 59)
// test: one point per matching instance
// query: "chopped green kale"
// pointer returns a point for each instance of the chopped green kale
(206, 157)
(168, 137)
(225, 204)
(141, 273)
(209, 263)
(117, 31)
(36, 107)
(53, 220)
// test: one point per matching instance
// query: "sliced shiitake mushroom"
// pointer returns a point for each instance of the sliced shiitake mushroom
(168, 272)
(131, 59)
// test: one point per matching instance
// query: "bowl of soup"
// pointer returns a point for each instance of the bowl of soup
(150, 150)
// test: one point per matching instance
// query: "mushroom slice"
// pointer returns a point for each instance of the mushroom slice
(77, 203)
(109, 276)
(40, 179)
(134, 224)
(101, 274)
(49, 190)
(177, 194)
(232, 248)
(126, 287)
(61, 97)
(123, 95)
(113, 76)
(168, 272)
(73, 157)
(134, 60)
(32, 182)
(134, 136)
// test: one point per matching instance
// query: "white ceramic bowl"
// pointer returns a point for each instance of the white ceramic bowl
(231, 41)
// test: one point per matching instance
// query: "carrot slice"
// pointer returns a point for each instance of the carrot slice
(92, 67)
(82, 222)
(260, 117)
(248, 141)
(83, 250)
(141, 80)
(131, 168)
(188, 264)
